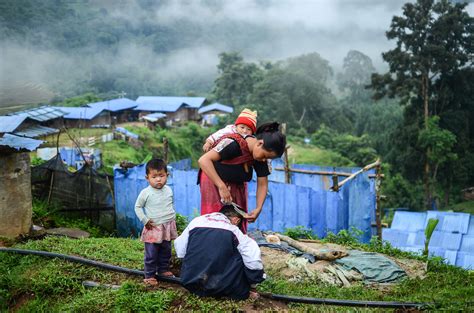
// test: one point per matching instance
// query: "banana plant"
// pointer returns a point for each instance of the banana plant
(430, 227)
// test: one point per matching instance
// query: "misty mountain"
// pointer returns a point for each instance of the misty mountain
(146, 47)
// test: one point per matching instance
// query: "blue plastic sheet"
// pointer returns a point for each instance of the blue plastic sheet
(286, 205)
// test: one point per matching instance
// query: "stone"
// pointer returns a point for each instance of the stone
(68, 232)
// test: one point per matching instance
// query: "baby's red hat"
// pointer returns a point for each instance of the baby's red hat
(248, 118)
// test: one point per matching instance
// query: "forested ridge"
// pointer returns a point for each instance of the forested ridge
(417, 116)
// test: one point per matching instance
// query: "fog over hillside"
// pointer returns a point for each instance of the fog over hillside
(142, 44)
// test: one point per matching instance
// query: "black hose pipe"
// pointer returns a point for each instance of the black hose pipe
(91, 262)
(176, 280)
(352, 303)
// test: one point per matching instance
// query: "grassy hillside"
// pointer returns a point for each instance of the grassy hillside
(464, 207)
(32, 283)
(307, 154)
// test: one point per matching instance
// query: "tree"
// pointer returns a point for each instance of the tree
(439, 142)
(236, 79)
(294, 91)
(311, 65)
(433, 41)
(357, 70)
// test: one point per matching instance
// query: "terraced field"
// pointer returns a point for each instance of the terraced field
(15, 96)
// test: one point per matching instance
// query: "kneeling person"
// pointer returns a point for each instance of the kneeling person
(219, 260)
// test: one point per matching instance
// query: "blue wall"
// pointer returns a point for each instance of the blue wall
(307, 201)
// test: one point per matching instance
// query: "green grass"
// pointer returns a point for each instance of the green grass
(40, 284)
(300, 153)
(52, 285)
(464, 207)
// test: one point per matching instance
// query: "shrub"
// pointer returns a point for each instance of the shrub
(300, 232)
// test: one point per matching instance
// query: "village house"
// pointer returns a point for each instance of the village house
(210, 113)
(102, 114)
(120, 110)
(24, 126)
(85, 117)
(177, 109)
(34, 123)
(48, 116)
(154, 119)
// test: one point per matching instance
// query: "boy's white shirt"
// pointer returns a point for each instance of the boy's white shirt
(156, 205)
(229, 129)
(247, 247)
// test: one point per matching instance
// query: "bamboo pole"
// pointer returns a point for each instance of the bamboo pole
(50, 187)
(364, 169)
(52, 172)
(293, 170)
(378, 209)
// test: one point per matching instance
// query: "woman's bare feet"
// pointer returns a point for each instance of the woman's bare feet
(166, 274)
(254, 295)
(152, 282)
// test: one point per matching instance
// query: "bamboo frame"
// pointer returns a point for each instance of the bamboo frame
(353, 175)
(319, 172)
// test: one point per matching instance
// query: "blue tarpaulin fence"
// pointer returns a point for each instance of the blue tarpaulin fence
(73, 157)
(306, 201)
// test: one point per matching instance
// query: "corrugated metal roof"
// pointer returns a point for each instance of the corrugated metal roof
(216, 107)
(154, 117)
(451, 240)
(465, 260)
(450, 221)
(396, 237)
(159, 107)
(409, 221)
(114, 105)
(36, 131)
(467, 243)
(449, 255)
(470, 230)
(167, 104)
(445, 240)
(8, 124)
(400, 238)
(41, 114)
(80, 113)
(19, 143)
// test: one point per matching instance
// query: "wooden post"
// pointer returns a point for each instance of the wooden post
(335, 182)
(378, 209)
(52, 172)
(285, 158)
(165, 149)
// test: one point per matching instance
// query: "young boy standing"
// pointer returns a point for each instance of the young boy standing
(154, 208)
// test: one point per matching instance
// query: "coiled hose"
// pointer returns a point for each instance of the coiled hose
(175, 280)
